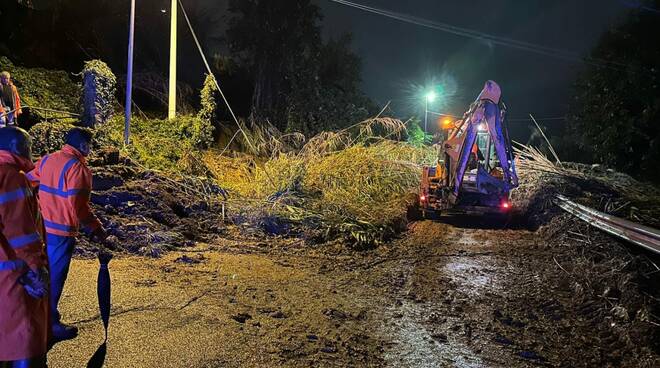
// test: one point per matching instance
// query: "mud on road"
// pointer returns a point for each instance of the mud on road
(441, 296)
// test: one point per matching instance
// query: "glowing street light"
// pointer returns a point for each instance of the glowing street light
(430, 97)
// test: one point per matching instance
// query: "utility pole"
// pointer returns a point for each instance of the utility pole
(129, 76)
(428, 98)
(426, 114)
(171, 113)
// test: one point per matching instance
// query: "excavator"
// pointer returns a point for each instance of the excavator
(475, 172)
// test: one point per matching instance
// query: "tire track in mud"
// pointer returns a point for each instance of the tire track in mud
(444, 296)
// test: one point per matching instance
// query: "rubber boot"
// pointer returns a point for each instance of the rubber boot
(63, 332)
(38, 362)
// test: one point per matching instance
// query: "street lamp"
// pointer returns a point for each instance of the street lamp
(429, 98)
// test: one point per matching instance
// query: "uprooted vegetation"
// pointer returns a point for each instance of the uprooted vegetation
(353, 186)
(350, 185)
(595, 186)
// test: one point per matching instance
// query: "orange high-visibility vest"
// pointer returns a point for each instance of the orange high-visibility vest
(23, 320)
(65, 186)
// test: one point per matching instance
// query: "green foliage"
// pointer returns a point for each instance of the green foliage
(615, 113)
(208, 102)
(48, 137)
(98, 97)
(42, 88)
(167, 145)
(416, 135)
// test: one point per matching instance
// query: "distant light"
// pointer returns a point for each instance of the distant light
(163, 11)
(506, 205)
(431, 96)
(446, 123)
(422, 198)
(483, 127)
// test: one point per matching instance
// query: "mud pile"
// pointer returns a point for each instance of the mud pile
(594, 186)
(148, 213)
(611, 284)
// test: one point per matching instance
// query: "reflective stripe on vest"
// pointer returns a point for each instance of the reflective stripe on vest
(21, 241)
(66, 168)
(43, 161)
(60, 227)
(14, 195)
(12, 265)
(61, 193)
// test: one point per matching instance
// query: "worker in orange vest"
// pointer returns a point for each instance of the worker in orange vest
(10, 98)
(23, 262)
(65, 185)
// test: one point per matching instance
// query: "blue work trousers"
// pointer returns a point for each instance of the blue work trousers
(60, 251)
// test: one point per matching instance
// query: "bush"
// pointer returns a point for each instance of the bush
(50, 89)
(48, 137)
(416, 135)
(162, 144)
(98, 97)
(209, 105)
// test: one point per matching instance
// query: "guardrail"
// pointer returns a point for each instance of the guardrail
(644, 236)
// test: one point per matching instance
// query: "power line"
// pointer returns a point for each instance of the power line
(539, 119)
(503, 41)
(215, 81)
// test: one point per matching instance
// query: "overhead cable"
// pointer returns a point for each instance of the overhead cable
(503, 41)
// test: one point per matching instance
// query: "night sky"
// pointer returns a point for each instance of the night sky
(399, 58)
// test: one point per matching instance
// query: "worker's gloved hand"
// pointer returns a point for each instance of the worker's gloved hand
(35, 282)
(99, 235)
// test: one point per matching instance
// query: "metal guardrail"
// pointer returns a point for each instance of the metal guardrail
(644, 236)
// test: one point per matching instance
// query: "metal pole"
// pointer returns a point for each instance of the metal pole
(129, 76)
(171, 113)
(426, 114)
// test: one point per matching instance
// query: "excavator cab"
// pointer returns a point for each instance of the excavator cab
(470, 149)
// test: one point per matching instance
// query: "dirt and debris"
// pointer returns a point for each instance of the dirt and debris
(459, 292)
(442, 295)
(149, 213)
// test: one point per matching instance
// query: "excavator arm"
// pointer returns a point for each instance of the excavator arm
(476, 168)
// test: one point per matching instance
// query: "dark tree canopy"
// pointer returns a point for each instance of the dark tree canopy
(615, 114)
(63, 34)
(300, 82)
(278, 67)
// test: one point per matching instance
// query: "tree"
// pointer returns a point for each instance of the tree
(615, 114)
(272, 37)
(326, 93)
(300, 82)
